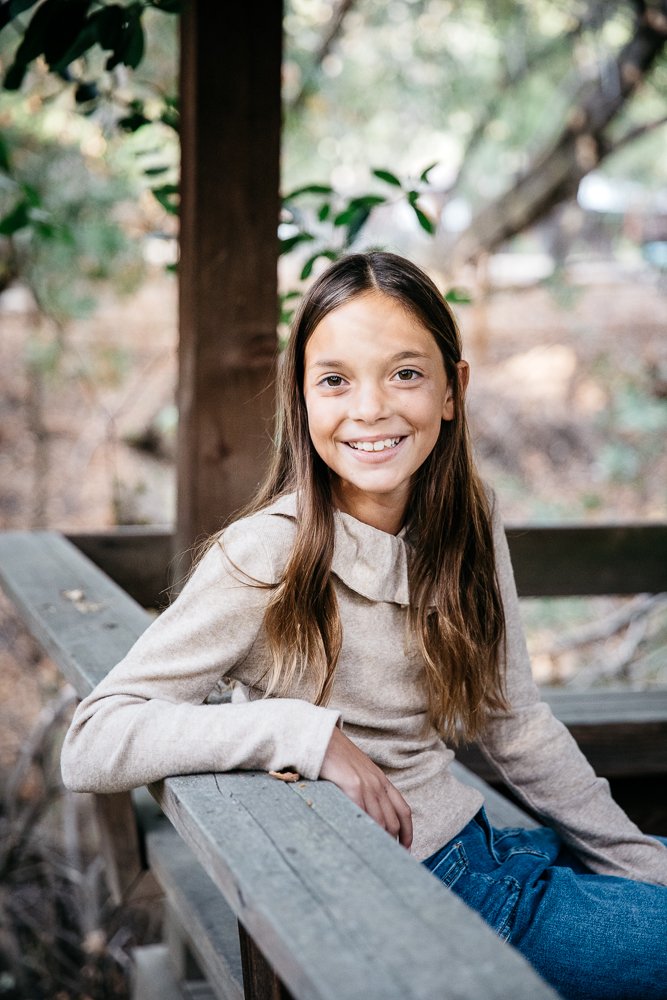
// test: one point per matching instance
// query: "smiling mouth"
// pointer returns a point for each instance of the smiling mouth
(383, 445)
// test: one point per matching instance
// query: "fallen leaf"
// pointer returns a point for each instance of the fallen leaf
(285, 775)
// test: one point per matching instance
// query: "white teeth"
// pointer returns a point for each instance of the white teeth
(374, 445)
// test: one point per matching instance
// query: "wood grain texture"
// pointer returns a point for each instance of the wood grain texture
(260, 980)
(331, 923)
(230, 179)
(119, 844)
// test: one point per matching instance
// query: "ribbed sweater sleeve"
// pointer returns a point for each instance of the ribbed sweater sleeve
(536, 755)
(146, 720)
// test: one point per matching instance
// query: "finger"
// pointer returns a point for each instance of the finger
(404, 814)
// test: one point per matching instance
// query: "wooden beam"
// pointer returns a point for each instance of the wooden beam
(589, 559)
(230, 148)
(567, 561)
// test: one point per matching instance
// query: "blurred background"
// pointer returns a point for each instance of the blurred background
(443, 130)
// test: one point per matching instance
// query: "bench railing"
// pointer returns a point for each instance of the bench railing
(329, 906)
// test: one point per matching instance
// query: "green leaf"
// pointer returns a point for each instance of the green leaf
(155, 171)
(356, 207)
(424, 174)
(308, 189)
(386, 175)
(424, 221)
(167, 196)
(134, 51)
(307, 269)
(324, 211)
(77, 46)
(17, 218)
(14, 76)
(458, 296)
(109, 22)
(5, 162)
(288, 244)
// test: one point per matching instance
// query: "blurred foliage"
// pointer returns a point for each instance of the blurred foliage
(474, 89)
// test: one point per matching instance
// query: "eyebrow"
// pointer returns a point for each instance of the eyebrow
(401, 356)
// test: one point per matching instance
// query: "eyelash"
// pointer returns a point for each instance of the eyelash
(412, 371)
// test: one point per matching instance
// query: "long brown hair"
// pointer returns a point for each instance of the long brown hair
(456, 612)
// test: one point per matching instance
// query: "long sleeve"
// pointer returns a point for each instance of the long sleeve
(147, 720)
(536, 755)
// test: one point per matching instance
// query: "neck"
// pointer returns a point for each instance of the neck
(379, 511)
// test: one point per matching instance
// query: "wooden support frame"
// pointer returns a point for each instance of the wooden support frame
(230, 179)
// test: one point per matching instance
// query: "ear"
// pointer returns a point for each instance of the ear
(463, 376)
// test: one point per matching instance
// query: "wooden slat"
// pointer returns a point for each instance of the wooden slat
(589, 559)
(209, 923)
(622, 733)
(138, 559)
(566, 561)
(308, 881)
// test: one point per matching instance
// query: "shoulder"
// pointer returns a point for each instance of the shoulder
(259, 545)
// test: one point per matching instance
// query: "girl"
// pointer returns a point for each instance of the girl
(365, 611)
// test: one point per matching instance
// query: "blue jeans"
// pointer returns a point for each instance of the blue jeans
(592, 937)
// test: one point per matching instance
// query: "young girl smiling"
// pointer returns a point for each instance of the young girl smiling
(365, 611)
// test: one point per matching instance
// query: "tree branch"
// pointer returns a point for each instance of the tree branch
(333, 29)
(554, 174)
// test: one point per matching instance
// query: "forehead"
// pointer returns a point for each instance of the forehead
(370, 325)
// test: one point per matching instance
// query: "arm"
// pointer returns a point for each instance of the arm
(147, 720)
(535, 754)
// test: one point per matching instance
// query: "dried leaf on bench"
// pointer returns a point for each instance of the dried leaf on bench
(285, 775)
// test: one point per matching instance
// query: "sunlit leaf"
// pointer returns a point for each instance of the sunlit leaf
(308, 189)
(293, 241)
(307, 269)
(424, 221)
(386, 175)
(424, 174)
(459, 296)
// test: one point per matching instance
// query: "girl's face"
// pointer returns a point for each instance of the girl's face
(376, 392)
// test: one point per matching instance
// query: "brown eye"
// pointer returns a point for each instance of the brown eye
(333, 381)
(407, 374)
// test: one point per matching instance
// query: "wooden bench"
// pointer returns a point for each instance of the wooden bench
(276, 890)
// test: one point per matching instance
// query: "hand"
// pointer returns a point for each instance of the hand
(363, 782)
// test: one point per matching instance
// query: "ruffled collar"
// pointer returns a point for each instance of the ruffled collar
(371, 562)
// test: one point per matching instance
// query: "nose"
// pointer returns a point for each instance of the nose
(369, 403)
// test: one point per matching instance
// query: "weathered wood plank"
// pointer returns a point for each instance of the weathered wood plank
(569, 560)
(137, 558)
(230, 180)
(210, 925)
(83, 620)
(581, 559)
(331, 924)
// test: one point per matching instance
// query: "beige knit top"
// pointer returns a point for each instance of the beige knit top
(149, 717)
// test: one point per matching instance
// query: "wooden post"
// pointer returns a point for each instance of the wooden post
(230, 147)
